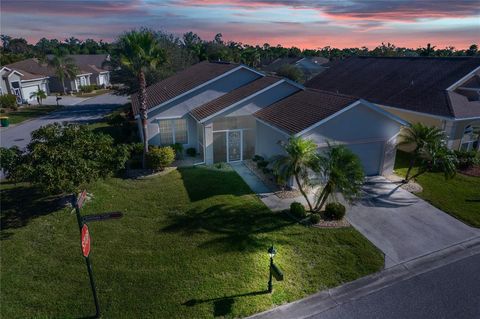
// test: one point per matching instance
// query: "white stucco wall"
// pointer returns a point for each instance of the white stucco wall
(268, 141)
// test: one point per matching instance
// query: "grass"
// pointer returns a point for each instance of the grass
(459, 197)
(26, 113)
(92, 94)
(192, 244)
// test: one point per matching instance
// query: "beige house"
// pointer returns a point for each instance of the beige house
(442, 92)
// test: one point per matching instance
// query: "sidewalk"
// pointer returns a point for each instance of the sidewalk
(269, 198)
(350, 292)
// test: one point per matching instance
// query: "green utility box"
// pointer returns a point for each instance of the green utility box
(4, 121)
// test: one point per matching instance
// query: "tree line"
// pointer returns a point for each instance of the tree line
(198, 49)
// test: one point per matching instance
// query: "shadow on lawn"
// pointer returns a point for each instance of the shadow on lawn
(237, 225)
(204, 182)
(21, 204)
(222, 306)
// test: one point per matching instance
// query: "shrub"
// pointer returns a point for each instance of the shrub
(160, 157)
(262, 164)
(88, 88)
(298, 210)
(466, 159)
(191, 151)
(178, 148)
(137, 149)
(10, 159)
(266, 170)
(62, 158)
(257, 158)
(334, 211)
(8, 101)
(314, 218)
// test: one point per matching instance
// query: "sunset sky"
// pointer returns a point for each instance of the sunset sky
(301, 23)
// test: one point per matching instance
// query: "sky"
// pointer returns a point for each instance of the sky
(302, 23)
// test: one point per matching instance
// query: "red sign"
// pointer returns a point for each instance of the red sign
(85, 241)
(81, 199)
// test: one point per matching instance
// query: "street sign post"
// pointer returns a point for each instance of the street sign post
(85, 244)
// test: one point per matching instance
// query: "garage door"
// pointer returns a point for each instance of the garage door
(370, 154)
(26, 91)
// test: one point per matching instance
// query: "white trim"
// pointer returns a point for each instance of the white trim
(242, 100)
(83, 74)
(463, 79)
(5, 68)
(168, 118)
(37, 79)
(15, 71)
(273, 127)
(200, 86)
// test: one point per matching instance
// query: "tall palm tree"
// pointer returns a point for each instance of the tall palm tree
(64, 66)
(140, 52)
(39, 95)
(420, 136)
(343, 172)
(301, 157)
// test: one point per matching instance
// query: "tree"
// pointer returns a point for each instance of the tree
(420, 137)
(429, 50)
(343, 173)
(436, 156)
(39, 95)
(291, 72)
(472, 50)
(300, 159)
(64, 66)
(62, 158)
(140, 52)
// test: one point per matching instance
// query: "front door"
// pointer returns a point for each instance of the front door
(234, 145)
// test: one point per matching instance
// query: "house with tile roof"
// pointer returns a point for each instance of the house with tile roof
(441, 92)
(230, 112)
(24, 77)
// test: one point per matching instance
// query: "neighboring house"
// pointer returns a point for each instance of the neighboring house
(21, 83)
(91, 71)
(441, 92)
(229, 112)
(310, 66)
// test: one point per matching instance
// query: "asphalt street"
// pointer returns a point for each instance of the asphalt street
(86, 111)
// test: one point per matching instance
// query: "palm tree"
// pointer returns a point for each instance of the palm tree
(436, 156)
(139, 53)
(301, 157)
(343, 172)
(39, 95)
(64, 66)
(421, 137)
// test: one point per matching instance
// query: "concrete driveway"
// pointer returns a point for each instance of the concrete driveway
(402, 225)
(86, 111)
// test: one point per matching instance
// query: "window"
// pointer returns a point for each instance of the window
(166, 136)
(173, 131)
(180, 126)
(470, 139)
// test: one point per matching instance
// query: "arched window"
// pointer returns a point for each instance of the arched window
(470, 138)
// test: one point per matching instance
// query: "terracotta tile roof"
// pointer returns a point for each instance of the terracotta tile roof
(412, 83)
(232, 97)
(182, 82)
(303, 109)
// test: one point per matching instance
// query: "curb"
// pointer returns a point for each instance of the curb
(330, 298)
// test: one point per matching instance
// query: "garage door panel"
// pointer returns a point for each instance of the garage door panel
(27, 90)
(370, 155)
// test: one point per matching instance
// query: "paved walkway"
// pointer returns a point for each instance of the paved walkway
(271, 200)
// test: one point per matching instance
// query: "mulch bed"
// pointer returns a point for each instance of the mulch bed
(471, 171)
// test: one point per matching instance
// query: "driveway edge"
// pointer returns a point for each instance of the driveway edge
(330, 298)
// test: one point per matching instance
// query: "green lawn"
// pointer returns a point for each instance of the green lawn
(92, 94)
(459, 197)
(26, 113)
(192, 244)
